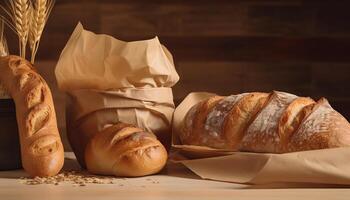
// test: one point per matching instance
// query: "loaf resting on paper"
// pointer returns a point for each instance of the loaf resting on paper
(278, 122)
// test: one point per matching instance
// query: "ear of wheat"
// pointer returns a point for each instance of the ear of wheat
(4, 51)
(27, 18)
(20, 15)
(41, 10)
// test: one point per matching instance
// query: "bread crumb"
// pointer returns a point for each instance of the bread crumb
(76, 178)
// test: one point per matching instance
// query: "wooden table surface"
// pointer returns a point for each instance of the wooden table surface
(176, 182)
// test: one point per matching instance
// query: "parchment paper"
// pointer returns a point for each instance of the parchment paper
(327, 166)
(108, 81)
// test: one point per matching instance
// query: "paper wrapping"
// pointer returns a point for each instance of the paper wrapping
(326, 166)
(109, 81)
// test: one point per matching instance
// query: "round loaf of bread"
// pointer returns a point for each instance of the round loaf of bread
(125, 150)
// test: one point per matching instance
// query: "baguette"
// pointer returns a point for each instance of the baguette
(278, 122)
(41, 147)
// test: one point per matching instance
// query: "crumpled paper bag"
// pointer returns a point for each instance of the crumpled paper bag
(108, 81)
(325, 166)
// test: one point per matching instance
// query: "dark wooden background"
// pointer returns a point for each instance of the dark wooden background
(227, 47)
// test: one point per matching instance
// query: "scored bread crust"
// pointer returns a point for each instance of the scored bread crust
(240, 116)
(322, 128)
(291, 119)
(278, 122)
(212, 135)
(195, 120)
(41, 147)
(262, 133)
(125, 150)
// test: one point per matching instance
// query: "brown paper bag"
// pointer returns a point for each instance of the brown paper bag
(326, 166)
(109, 81)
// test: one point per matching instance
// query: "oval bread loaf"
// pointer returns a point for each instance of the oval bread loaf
(278, 122)
(125, 150)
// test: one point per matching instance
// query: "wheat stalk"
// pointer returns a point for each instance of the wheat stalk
(27, 18)
(20, 13)
(4, 51)
(41, 10)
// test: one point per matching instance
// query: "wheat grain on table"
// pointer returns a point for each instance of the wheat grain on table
(175, 182)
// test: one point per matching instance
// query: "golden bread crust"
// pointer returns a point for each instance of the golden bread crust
(41, 147)
(278, 122)
(125, 150)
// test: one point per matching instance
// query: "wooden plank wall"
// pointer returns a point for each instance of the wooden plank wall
(223, 46)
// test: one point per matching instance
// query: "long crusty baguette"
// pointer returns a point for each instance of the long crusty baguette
(124, 150)
(259, 122)
(41, 147)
